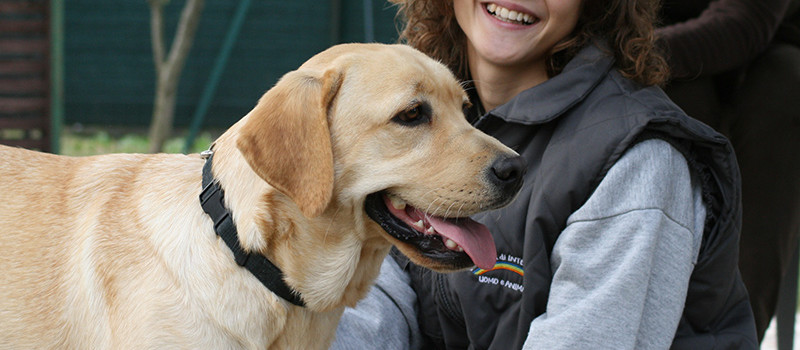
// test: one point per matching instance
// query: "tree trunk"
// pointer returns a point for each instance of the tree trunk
(168, 69)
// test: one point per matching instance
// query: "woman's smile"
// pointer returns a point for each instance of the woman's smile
(517, 17)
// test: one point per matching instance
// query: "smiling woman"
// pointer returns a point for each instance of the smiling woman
(625, 232)
(505, 56)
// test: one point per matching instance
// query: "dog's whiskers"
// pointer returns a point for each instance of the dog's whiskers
(458, 213)
(427, 209)
(446, 212)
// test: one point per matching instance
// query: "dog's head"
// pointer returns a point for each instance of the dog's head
(382, 128)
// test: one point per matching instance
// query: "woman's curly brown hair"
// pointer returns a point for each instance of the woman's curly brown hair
(627, 26)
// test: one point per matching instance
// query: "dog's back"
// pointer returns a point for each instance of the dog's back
(76, 242)
(31, 250)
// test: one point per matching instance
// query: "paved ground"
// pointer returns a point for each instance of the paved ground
(770, 339)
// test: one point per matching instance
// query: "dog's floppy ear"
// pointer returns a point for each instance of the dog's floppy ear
(286, 139)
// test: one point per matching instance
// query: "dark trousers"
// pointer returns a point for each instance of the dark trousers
(758, 109)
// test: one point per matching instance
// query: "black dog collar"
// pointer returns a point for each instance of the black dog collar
(212, 200)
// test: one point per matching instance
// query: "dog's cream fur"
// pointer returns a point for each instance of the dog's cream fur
(114, 251)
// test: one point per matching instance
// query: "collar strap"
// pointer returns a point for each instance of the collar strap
(212, 199)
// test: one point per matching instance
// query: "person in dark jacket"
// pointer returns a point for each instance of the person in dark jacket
(625, 234)
(735, 66)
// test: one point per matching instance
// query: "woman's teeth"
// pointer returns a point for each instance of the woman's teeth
(509, 16)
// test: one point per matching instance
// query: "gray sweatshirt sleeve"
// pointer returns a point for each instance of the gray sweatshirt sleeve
(386, 318)
(621, 267)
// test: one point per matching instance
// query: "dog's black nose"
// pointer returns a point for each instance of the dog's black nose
(508, 170)
(506, 174)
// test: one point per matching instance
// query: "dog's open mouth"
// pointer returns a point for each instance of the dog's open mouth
(457, 241)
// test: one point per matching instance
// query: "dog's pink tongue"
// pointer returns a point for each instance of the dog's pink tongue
(474, 237)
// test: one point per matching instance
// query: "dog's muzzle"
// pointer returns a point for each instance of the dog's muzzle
(456, 242)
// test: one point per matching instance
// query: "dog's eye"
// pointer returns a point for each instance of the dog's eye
(413, 116)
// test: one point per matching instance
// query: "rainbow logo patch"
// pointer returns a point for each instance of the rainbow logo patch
(501, 265)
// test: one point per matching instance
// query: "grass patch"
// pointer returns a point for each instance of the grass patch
(93, 141)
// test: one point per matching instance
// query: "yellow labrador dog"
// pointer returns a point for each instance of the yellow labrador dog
(362, 147)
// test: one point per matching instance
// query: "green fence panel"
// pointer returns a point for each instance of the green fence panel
(108, 64)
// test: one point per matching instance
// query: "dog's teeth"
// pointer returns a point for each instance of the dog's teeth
(451, 245)
(419, 225)
(397, 203)
(430, 230)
